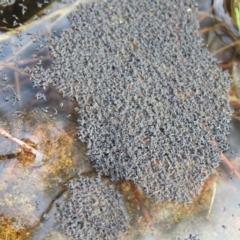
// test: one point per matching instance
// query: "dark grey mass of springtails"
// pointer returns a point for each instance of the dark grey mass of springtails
(192, 237)
(92, 210)
(150, 96)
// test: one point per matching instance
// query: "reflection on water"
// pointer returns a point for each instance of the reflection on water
(28, 191)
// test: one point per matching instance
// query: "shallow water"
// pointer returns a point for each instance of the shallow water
(29, 191)
(29, 188)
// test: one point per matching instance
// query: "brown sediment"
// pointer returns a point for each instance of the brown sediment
(10, 232)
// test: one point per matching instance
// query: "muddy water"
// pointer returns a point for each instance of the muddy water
(29, 189)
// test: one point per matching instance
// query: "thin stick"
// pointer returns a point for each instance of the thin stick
(209, 29)
(143, 209)
(26, 61)
(236, 118)
(203, 15)
(212, 200)
(226, 47)
(7, 156)
(16, 69)
(19, 142)
(229, 165)
(225, 65)
(58, 13)
(235, 104)
(227, 162)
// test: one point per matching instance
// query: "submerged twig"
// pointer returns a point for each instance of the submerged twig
(236, 118)
(226, 47)
(209, 29)
(229, 165)
(212, 200)
(225, 65)
(19, 142)
(60, 13)
(227, 162)
(203, 15)
(8, 156)
(143, 209)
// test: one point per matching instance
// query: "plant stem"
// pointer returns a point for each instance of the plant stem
(19, 142)
(143, 209)
(227, 162)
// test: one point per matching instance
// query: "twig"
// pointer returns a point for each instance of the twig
(227, 162)
(17, 70)
(143, 209)
(203, 15)
(26, 61)
(234, 104)
(212, 200)
(209, 29)
(19, 142)
(59, 13)
(23, 62)
(226, 47)
(236, 118)
(225, 65)
(229, 165)
(7, 156)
